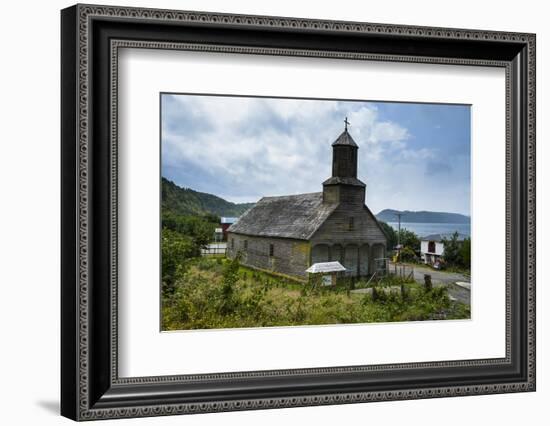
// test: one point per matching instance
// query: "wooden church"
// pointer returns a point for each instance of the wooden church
(288, 234)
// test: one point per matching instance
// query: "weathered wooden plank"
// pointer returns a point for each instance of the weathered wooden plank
(289, 256)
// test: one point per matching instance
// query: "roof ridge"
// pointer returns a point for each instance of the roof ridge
(271, 197)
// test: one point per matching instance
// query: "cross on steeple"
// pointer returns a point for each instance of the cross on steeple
(346, 123)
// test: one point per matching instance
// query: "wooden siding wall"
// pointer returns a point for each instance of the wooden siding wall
(336, 230)
(357, 248)
(347, 194)
(290, 257)
(344, 161)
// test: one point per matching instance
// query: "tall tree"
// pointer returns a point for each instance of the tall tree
(409, 239)
(391, 235)
(451, 253)
(465, 253)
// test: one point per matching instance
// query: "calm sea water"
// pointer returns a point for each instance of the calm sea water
(423, 229)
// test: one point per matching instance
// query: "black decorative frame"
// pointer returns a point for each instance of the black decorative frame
(91, 37)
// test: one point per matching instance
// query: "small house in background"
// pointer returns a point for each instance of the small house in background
(218, 235)
(226, 222)
(432, 247)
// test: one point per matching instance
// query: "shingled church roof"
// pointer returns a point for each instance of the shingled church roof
(289, 216)
(344, 139)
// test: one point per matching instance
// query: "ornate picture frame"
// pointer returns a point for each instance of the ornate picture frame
(91, 38)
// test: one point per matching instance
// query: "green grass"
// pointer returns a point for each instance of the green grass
(218, 293)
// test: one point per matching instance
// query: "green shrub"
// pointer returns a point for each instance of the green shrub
(176, 250)
(407, 254)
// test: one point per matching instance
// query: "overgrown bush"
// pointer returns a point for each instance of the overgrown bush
(182, 239)
(407, 254)
(175, 250)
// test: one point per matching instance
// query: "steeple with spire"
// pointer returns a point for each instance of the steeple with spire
(343, 185)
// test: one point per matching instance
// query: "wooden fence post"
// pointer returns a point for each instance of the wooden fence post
(427, 282)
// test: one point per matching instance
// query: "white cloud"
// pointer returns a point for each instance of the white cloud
(246, 148)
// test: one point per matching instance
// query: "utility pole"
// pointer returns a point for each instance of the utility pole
(398, 235)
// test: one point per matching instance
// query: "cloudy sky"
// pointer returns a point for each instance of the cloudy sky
(411, 156)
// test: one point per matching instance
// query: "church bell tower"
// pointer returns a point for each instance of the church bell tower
(343, 186)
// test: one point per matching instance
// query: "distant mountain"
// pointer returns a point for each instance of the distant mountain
(185, 201)
(389, 215)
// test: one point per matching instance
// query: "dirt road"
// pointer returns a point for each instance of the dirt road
(448, 279)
